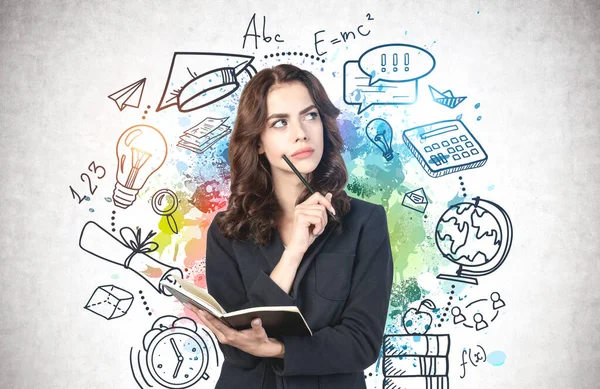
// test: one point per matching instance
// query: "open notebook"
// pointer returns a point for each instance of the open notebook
(277, 321)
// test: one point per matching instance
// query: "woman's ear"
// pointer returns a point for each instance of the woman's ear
(260, 149)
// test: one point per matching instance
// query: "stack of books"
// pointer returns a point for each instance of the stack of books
(415, 361)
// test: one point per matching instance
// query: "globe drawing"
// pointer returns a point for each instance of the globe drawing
(476, 236)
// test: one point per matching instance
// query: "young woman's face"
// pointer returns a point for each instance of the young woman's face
(293, 123)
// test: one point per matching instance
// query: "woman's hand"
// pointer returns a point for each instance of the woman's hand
(253, 341)
(311, 212)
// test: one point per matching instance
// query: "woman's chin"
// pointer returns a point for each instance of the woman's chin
(307, 165)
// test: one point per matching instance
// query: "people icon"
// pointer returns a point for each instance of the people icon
(458, 316)
(497, 301)
(480, 313)
(480, 324)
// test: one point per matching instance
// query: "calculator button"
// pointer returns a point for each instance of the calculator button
(435, 160)
(442, 158)
(450, 150)
(456, 157)
(445, 143)
(465, 154)
(469, 144)
(427, 149)
(474, 151)
(454, 140)
(435, 146)
(459, 148)
(463, 138)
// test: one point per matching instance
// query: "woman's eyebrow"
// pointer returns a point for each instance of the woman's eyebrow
(285, 115)
(305, 110)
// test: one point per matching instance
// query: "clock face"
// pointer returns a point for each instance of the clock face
(177, 358)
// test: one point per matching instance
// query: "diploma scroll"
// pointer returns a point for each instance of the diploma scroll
(131, 253)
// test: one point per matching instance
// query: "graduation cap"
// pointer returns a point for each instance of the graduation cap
(199, 79)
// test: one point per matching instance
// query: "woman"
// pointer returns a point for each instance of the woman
(275, 245)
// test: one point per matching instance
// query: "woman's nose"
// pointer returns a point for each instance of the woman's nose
(299, 132)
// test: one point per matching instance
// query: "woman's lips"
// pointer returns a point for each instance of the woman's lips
(303, 155)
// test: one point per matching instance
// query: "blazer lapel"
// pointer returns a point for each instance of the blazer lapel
(273, 251)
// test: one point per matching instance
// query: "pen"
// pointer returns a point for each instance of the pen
(306, 184)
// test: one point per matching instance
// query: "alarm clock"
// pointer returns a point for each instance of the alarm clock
(176, 356)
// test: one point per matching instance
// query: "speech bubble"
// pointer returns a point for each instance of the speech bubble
(358, 92)
(396, 62)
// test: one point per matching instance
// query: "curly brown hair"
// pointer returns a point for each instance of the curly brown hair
(252, 207)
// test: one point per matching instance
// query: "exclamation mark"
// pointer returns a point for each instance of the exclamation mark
(395, 60)
(382, 63)
(406, 62)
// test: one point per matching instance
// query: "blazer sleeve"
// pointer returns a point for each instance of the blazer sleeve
(354, 344)
(224, 282)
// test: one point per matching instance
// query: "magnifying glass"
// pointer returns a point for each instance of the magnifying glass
(165, 203)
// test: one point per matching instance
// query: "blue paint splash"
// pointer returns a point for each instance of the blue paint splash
(184, 121)
(496, 358)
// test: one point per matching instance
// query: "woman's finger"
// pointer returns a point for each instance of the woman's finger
(317, 211)
(229, 332)
(318, 198)
(321, 211)
(312, 207)
(216, 331)
(194, 309)
(308, 219)
(257, 328)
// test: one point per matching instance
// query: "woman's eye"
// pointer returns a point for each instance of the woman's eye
(313, 115)
(279, 121)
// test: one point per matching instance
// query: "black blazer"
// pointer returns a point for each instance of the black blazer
(342, 287)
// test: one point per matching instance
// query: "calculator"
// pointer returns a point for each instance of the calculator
(445, 147)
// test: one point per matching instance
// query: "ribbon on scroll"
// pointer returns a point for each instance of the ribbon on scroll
(136, 244)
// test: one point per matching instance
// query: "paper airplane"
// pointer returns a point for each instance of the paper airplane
(446, 98)
(130, 96)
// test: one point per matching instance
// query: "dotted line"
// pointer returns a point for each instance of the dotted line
(146, 112)
(283, 53)
(145, 304)
(450, 298)
(113, 221)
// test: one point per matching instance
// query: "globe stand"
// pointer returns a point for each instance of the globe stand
(458, 277)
